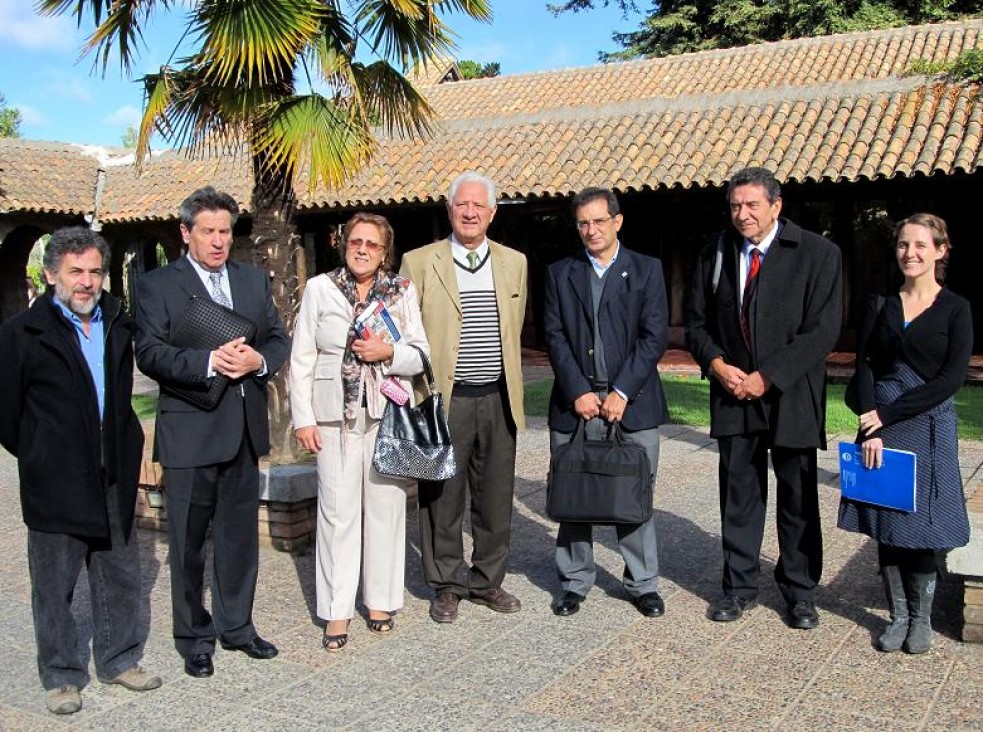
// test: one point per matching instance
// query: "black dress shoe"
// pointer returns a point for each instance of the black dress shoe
(730, 607)
(650, 604)
(199, 665)
(443, 608)
(802, 615)
(256, 648)
(568, 604)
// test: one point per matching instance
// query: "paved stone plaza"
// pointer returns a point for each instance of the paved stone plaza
(606, 668)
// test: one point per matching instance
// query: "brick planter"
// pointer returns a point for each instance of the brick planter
(967, 563)
(287, 501)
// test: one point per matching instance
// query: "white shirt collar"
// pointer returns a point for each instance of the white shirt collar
(204, 273)
(460, 251)
(765, 243)
(596, 263)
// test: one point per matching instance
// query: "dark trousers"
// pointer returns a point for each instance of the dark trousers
(225, 496)
(55, 562)
(743, 474)
(483, 434)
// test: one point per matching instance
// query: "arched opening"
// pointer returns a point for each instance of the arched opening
(14, 252)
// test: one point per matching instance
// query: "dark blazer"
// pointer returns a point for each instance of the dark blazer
(795, 322)
(633, 317)
(49, 420)
(186, 435)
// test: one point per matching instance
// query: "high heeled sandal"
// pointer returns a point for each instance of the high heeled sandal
(333, 643)
(382, 626)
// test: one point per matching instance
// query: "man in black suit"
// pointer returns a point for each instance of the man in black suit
(210, 457)
(606, 320)
(764, 312)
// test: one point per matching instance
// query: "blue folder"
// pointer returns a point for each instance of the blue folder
(892, 485)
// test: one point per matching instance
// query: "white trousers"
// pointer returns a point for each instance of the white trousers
(349, 491)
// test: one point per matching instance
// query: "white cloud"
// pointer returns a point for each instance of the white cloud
(21, 26)
(123, 117)
(30, 116)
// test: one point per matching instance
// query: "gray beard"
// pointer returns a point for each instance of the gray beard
(65, 298)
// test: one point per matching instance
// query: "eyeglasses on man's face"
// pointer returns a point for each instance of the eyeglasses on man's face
(600, 223)
(372, 246)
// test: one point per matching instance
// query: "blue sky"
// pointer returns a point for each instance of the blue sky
(61, 99)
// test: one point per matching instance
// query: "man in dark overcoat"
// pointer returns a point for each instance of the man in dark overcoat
(764, 312)
(210, 456)
(65, 414)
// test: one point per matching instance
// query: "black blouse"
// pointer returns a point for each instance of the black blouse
(937, 345)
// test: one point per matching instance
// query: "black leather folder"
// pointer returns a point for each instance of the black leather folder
(206, 325)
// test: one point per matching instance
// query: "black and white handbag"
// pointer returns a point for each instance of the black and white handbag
(415, 442)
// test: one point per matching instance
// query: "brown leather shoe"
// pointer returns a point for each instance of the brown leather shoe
(498, 600)
(443, 609)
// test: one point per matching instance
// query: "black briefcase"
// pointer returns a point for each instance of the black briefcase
(599, 481)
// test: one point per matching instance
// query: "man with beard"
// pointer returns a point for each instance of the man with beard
(65, 415)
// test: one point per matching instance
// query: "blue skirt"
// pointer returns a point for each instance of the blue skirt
(940, 521)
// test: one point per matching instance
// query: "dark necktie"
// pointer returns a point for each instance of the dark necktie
(750, 287)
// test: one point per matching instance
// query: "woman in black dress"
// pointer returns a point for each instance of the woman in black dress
(912, 356)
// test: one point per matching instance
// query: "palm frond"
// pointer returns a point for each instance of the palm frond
(256, 41)
(59, 7)
(334, 47)
(196, 114)
(312, 133)
(477, 9)
(407, 31)
(391, 100)
(157, 94)
(122, 29)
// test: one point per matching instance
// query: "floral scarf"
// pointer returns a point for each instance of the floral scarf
(357, 375)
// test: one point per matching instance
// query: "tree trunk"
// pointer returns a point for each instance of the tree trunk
(278, 249)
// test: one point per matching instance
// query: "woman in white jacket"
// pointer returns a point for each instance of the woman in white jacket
(336, 371)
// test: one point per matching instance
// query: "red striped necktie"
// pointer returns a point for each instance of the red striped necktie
(750, 286)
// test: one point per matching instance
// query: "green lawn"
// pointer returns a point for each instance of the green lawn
(688, 399)
(145, 405)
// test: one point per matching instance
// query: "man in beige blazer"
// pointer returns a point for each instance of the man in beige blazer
(473, 299)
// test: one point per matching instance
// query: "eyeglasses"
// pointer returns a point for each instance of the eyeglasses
(597, 223)
(372, 246)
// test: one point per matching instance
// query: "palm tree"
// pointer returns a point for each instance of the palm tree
(280, 79)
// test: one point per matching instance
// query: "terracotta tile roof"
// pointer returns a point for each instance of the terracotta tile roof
(833, 107)
(828, 108)
(156, 191)
(52, 177)
(46, 177)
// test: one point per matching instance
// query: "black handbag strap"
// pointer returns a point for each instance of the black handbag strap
(427, 370)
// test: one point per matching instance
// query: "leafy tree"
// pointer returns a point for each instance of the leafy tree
(9, 119)
(300, 84)
(680, 26)
(129, 138)
(474, 70)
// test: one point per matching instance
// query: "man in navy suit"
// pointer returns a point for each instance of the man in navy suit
(606, 322)
(210, 457)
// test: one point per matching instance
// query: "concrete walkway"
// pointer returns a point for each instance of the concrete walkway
(606, 668)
